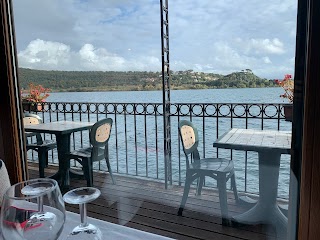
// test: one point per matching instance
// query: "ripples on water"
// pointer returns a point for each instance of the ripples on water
(237, 95)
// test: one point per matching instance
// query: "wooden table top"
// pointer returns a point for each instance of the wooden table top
(59, 127)
(255, 140)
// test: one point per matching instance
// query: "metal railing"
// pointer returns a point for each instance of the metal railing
(136, 144)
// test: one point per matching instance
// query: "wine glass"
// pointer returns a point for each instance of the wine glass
(81, 196)
(33, 210)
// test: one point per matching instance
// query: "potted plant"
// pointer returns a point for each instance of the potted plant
(33, 97)
(288, 85)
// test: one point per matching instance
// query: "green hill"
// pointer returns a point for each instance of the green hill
(243, 79)
(86, 80)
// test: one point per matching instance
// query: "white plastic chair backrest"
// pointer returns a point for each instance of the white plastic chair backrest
(188, 136)
(4, 180)
(30, 121)
(103, 132)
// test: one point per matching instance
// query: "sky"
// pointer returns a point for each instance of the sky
(213, 36)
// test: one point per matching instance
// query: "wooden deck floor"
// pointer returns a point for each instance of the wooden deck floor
(148, 206)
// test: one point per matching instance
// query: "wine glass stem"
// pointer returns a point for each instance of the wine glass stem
(83, 214)
(40, 204)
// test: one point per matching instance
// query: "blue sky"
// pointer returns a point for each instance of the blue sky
(123, 35)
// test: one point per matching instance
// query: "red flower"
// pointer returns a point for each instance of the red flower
(287, 76)
(287, 84)
(35, 93)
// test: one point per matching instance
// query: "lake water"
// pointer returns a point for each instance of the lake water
(147, 155)
(238, 95)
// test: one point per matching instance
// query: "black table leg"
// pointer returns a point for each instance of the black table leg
(63, 147)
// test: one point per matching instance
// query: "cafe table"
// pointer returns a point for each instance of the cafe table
(62, 130)
(269, 144)
(109, 230)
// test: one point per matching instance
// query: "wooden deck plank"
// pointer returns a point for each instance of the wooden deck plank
(146, 205)
(152, 210)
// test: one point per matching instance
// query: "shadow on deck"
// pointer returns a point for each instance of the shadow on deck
(148, 206)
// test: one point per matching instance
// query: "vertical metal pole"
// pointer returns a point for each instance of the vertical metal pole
(166, 90)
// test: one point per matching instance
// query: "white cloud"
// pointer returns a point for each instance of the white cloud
(40, 54)
(260, 46)
(292, 60)
(266, 60)
(274, 46)
(206, 35)
(99, 59)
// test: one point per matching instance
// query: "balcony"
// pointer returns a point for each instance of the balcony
(136, 153)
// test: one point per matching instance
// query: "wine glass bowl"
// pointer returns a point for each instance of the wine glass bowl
(37, 187)
(82, 196)
(33, 209)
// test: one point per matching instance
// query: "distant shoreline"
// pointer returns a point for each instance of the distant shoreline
(147, 90)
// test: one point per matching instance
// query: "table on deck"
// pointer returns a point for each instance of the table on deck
(269, 144)
(62, 131)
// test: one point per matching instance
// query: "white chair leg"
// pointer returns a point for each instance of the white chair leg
(185, 193)
(110, 171)
(200, 185)
(222, 186)
(234, 188)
